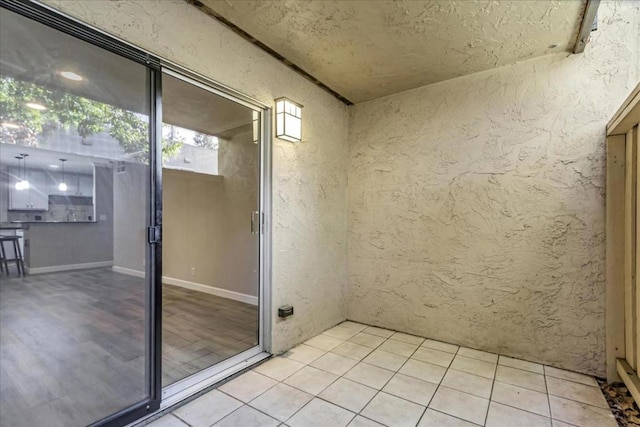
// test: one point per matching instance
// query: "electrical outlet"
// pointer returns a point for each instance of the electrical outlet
(193, 271)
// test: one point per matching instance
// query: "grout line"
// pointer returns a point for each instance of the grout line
(546, 387)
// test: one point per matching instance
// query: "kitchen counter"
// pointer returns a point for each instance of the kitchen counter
(11, 226)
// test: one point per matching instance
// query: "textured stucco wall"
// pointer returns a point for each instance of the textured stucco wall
(309, 179)
(476, 206)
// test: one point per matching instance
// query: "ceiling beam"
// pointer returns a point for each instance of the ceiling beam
(588, 18)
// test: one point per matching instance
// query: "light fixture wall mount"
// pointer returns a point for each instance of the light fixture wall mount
(288, 120)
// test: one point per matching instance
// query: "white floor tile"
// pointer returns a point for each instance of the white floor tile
(521, 398)
(506, 416)
(474, 366)
(398, 347)
(311, 380)
(393, 411)
(521, 364)
(367, 340)
(468, 383)
(352, 369)
(348, 394)
(477, 354)
(352, 350)
(433, 418)
(167, 421)
(571, 376)
(319, 413)
(207, 409)
(436, 357)
(369, 375)
(579, 414)
(521, 378)
(423, 371)
(353, 325)
(248, 386)
(385, 360)
(461, 405)
(246, 416)
(304, 353)
(363, 422)
(281, 401)
(378, 331)
(412, 389)
(279, 368)
(576, 391)
(439, 345)
(324, 342)
(334, 363)
(410, 339)
(341, 332)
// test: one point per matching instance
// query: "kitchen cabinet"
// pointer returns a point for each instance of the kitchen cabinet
(85, 185)
(36, 197)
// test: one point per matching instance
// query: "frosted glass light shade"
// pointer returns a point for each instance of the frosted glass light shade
(288, 120)
(62, 186)
(23, 185)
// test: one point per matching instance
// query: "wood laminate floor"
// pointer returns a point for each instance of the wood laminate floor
(72, 344)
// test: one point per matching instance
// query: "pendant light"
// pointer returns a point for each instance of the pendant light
(63, 185)
(25, 183)
(19, 181)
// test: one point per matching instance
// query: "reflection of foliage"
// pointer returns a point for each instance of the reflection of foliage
(171, 143)
(68, 111)
(205, 141)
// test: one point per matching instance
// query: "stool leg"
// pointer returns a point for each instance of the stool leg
(4, 258)
(19, 261)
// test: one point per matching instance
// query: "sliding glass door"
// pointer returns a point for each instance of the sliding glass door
(132, 225)
(211, 228)
(76, 193)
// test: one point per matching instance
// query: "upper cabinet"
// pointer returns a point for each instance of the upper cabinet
(43, 184)
(35, 197)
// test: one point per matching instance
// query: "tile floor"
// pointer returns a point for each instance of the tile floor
(359, 376)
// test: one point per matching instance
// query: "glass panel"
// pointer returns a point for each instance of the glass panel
(210, 255)
(73, 330)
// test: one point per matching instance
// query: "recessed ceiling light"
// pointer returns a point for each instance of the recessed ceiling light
(36, 106)
(71, 76)
(10, 125)
(54, 166)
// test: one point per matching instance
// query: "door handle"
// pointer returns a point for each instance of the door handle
(255, 222)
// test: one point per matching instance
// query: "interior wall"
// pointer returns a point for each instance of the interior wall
(238, 164)
(206, 221)
(309, 178)
(476, 205)
(59, 244)
(130, 202)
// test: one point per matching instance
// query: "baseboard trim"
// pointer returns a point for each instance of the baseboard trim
(128, 271)
(68, 267)
(224, 293)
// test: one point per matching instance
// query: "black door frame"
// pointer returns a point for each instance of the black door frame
(153, 367)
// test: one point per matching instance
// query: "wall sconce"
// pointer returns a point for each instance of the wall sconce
(288, 120)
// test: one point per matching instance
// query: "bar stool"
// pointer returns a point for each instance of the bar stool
(4, 261)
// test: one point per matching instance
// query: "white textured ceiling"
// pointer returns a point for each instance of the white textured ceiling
(367, 49)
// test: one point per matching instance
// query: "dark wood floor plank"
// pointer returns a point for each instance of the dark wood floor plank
(72, 344)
